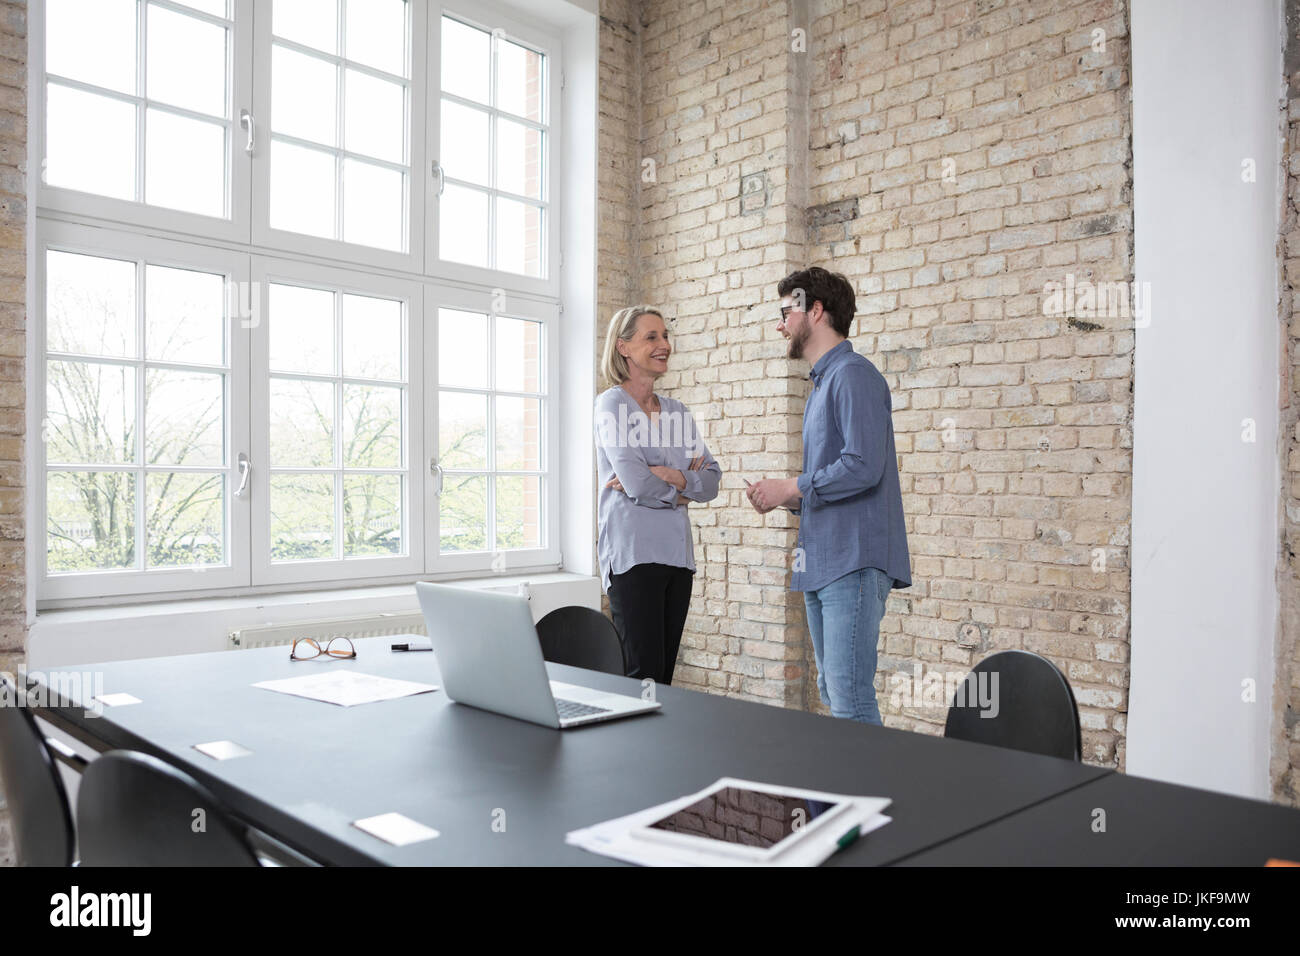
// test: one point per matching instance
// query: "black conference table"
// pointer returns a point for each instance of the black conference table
(504, 792)
(1145, 821)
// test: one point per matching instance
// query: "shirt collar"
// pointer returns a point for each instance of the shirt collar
(818, 371)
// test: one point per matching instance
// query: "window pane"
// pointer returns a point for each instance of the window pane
(89, 413)
(462, 225)
(302, 190)
(184, 421)
(92, 41)
(185, 164)
(187, 62)
(372, 337)
(376, 34)
(90, 143)
(302, 330)
(462, 513)
(304, 96)
(375, 117)
(374, 200)
(184, 316)
(462, 348)
(466, 54)
(185, 520)
(518, 432)
(518, 357)
(372, 427)
(372, 515)
(215, 7)
(519, 81)
(302, 517)
(89, 305)
(312, 23)
(464, 143)
(302, 423)
(90, 521)
(519, 159)
(519, 237)
(519, 509)
(462, 430)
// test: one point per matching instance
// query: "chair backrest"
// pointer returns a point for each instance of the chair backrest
(1019, 700)
(581, 637)
(33, 789)
(136, 810)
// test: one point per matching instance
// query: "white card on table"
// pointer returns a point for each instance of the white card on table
(222, 749)
(395, 828)
(117, 700)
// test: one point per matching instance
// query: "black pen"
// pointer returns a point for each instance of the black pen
(408, 647)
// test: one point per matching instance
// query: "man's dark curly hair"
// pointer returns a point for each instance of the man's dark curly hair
(831, 289)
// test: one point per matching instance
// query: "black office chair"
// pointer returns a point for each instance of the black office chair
(581, 637)
(38, 803)
(136, 810)
(1032, 705)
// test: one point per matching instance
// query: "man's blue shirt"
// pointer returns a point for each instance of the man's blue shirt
(851, 513)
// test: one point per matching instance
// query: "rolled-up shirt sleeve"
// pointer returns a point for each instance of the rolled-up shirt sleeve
(701, 484)
(862, 414)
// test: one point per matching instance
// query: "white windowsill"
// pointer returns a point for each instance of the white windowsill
(124, 632)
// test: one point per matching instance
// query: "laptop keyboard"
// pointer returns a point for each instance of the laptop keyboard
(571, 708)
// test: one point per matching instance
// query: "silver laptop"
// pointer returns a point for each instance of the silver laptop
(490, 657)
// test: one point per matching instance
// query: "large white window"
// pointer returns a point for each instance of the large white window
(296, 325)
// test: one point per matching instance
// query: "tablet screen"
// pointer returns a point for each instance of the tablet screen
(744, 817)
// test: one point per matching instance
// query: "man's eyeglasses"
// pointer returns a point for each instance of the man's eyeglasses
(785, 312)
(306, 649)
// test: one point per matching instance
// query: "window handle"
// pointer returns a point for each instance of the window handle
(246, 120)
(245, 469)
(435, 469)
(440, 176)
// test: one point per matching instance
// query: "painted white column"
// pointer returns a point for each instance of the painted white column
(1207, 85)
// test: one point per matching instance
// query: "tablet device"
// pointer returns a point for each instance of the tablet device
(752, 823)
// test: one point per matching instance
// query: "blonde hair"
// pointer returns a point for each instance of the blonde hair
(621, 327)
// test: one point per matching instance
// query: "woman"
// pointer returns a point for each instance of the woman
(652, 463)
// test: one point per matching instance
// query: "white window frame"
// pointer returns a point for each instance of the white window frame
(104, 243)
(265, 571)
(249, 252)
(266, 237)
(239, 63)
(488, 17)
(547, 314)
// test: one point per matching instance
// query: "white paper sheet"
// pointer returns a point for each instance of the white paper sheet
(614, 838)
(345, 688)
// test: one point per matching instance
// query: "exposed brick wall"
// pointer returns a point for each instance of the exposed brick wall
(964, 155)
(13, 323)
(618, 159)
(1285, 762)
(1012, 427)
(722, 221)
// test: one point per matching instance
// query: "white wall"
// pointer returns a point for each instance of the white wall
(1206, 91)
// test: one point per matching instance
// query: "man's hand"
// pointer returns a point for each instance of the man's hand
(768, 494)
(615, 484)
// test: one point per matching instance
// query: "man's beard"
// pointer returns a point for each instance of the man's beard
(798, 340)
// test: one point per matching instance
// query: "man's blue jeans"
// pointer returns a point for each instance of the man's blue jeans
(844, 621)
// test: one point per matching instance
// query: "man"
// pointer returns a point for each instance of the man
(852, 547)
